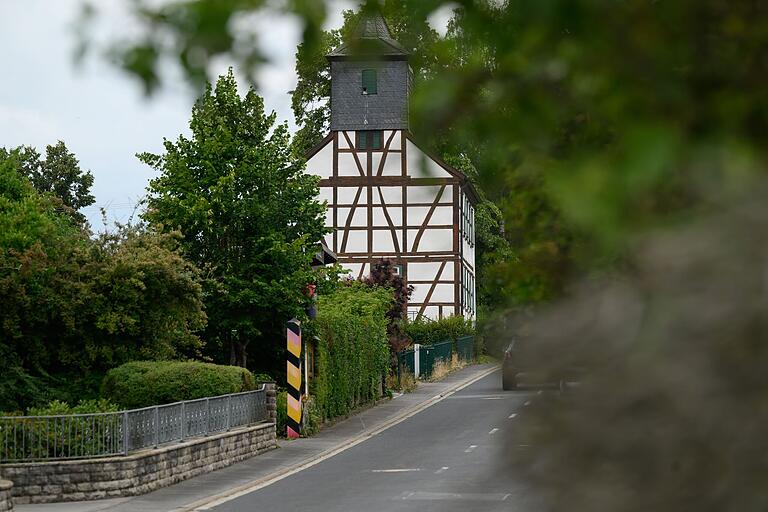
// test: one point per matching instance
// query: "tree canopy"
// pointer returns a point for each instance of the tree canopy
(73, 306)
(58, 174)
(249, 218)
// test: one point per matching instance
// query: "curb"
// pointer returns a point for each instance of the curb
(236, 492)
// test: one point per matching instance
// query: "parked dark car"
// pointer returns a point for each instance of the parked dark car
(522, 365)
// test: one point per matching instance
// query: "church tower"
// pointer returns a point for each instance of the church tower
(388, 199)
(370, 79)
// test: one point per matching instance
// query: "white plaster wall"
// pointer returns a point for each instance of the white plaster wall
(346, 195)
(382, 241)
(427, 194)
(343, 144)
(321, 164)
(396, 214)
(422, 166)
(348, 166)
(433, 239)
(357, 241)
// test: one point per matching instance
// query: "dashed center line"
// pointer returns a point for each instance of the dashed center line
(471, 448)
(442, 470)
(398, 470)
(493, 431)
(526, 404)
(512, 416)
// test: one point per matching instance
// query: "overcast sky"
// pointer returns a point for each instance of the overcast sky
(101, 113)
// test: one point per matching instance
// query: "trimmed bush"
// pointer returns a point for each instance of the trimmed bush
(428, 332)
(352, 352)
(146, 383)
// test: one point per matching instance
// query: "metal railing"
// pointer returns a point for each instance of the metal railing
(77, 436)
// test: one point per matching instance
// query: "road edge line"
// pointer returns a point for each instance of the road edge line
(236, 492)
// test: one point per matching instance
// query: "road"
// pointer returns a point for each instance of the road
(448, 457)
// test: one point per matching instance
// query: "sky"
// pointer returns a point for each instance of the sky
(101, 113)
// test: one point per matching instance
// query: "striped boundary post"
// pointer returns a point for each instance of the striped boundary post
(293, 356)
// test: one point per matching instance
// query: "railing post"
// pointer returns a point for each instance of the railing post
(229, 412)
(125, 433)
(156, 423)
(416, 362)
(207, 415)
(183, 420)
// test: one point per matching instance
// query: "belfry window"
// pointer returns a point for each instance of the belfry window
(368, 139)
(370, 85)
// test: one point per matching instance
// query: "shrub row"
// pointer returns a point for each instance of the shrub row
(146, 383)
(352, 352)
(428, 332)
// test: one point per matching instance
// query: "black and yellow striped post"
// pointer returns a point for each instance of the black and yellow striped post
(293, 335)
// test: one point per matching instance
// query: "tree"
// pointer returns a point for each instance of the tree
(249, 217)
(73, 306)
(58, 174)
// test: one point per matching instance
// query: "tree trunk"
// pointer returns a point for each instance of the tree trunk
(238, 355)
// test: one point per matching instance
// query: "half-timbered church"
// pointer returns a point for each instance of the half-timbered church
(388, 199)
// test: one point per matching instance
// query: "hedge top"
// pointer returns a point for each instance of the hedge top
(147, 383)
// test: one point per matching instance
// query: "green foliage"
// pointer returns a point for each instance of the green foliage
(75, 436)
(428, 332)
(281, 402)
(74, 306)
(249, 218)
(383, 275)
(57, 408)
(59, 175)
(352, 353)
(145, 383)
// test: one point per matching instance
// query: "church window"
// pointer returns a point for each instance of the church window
(368, 139)
(370, 85)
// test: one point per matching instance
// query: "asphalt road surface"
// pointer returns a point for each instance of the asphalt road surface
(449, 457)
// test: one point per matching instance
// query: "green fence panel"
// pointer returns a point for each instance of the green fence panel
(431, 354)
(465, 348)
(405, 363)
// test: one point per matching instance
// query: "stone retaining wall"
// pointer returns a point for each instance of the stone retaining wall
(6, 503)
(137, 473)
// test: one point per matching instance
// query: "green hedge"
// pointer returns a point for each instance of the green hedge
(352, 352)
(428, 332)
(145, 383)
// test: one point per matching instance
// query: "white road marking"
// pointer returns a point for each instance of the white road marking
(455, 496)
(493, 431)
(231, 494)
(526, 404)
(442, 470)
(398, 470)
(512, 416)
(494, 398)
(505, 497)
(540, 392)
(471, 448)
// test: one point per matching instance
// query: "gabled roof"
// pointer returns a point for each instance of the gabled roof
(371, 37)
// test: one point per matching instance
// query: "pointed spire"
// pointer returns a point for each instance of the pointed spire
(371, 37)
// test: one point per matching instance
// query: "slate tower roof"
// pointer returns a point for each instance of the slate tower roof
(371, 37)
